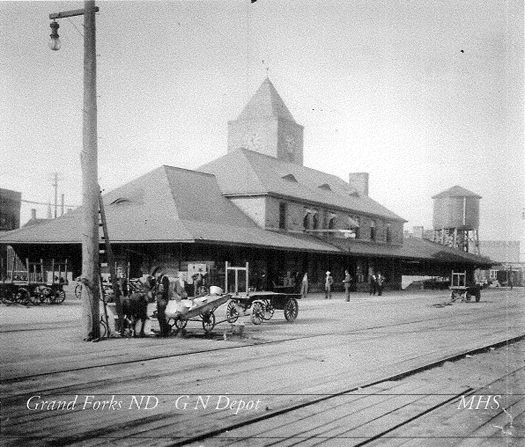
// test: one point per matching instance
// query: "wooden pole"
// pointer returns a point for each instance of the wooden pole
(90, 189)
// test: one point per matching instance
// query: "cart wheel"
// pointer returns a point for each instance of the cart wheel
(35, 299)
(103, 328)
(78, 291)
(232, 314)
(9, 298)
(208, 321)
(180, 323)
(268, 310)
(23, 296)
(291, 309)
(59, 297)
(257, 312)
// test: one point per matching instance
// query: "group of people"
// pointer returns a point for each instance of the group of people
(377, 282)
(329, 282)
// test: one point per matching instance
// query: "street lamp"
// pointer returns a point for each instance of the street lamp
(88, 160)
(54, 42)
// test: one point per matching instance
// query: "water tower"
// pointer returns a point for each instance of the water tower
(456, 219)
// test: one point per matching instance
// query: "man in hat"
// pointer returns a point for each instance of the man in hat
(328, 286)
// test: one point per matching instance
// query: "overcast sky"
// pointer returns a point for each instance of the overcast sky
(423, 95)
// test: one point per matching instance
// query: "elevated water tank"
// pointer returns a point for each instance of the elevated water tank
(456, 208)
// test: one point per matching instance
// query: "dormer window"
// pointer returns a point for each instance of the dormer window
(290, 178)
(325, 186)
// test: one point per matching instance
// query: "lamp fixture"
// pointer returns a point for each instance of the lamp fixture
(54, 43)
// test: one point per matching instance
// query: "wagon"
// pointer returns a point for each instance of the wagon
(262, 305)
(33, 287)
(203, 313)
(460, 290)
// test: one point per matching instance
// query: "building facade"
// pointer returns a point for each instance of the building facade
(257, 203)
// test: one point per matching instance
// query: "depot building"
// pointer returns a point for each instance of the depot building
(258, 204)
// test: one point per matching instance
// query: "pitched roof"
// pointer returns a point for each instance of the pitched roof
(456, 191)
(167, 205)
(265, 103)
(413, 248)
(260, 174)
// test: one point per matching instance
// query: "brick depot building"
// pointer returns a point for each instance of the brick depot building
(256, 204)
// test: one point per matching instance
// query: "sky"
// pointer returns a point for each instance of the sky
(422, 95)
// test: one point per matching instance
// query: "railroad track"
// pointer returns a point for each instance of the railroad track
(362, 387)
(427, 322)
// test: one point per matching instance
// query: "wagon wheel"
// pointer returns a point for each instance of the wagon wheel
(59, 297)
(23, 296)
(291, 309)
(208, 321)
(232, 314)
(268, 310)
(9, 297)
(179, 323)
(45, 295)
(35, 298)
(257, 312)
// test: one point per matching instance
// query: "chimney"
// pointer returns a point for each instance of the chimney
(33, 213)
(359, 180)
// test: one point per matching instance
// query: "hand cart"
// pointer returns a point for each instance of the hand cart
(203, 313)
(460, 290)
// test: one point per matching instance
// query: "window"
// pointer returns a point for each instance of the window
(353, 224)
(282, 215)
(372, 230)
(389, 232)
(325, 186)
(331, 221)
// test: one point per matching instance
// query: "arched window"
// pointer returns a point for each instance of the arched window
(331, 221)
(373, 230)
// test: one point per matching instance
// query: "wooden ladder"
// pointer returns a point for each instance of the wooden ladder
(106, 250)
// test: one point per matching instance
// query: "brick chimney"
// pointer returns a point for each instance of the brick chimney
(33, 213)
(359, 180)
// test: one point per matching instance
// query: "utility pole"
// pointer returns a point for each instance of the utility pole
(55, 185)
(88, 158)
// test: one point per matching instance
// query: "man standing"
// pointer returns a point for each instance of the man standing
(162, 296)
(304, 285)
(347, 282)
(328, 286)
(373, 284)
(380, 281)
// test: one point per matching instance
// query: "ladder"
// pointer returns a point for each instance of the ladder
(105, 249)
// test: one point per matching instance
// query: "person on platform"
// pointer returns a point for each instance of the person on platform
(347, 283)
(380, 283)
(328, 286)
(304, 285)
(373, 284)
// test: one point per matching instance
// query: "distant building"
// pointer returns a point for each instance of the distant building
(509, 267)
(10, 203)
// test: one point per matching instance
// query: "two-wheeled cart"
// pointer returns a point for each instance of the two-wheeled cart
(460, 290)
(259, 305)
(203, 311)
